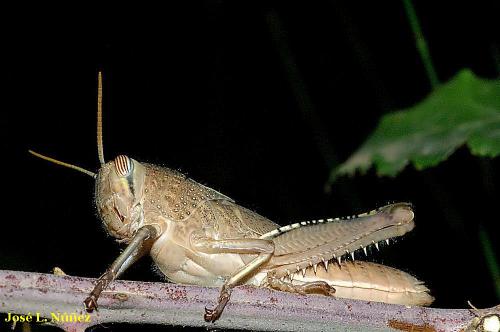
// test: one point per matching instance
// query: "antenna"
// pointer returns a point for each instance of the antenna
(100, 150)
(99, 137)
(55, 161)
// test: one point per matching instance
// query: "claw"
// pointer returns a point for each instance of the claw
(211, 315)
(90, 304)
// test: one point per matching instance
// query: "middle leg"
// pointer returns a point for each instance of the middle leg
(263, 248)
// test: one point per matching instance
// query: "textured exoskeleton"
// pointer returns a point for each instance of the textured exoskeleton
(196, 235)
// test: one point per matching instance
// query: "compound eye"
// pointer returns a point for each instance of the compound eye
(123, 165)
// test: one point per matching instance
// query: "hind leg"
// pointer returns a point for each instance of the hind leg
(312, 287)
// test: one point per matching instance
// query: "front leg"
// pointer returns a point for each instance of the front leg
(135, 250)
(264, 249)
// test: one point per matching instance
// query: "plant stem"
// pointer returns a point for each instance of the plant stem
(491, 260)
(421, 43)
(249, 309)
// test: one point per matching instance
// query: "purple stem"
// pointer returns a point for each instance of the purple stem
(249, 308)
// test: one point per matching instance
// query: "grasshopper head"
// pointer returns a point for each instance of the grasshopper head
(119, 196)
(119, 192)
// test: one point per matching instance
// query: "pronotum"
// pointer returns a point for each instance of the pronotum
(196, 235)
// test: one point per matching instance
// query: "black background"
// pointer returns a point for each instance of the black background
(257, 100)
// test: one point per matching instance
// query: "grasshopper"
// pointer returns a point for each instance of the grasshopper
(196, 235)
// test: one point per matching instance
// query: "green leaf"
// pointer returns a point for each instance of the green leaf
(466, 110)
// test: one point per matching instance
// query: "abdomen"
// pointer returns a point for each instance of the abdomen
(370, 282)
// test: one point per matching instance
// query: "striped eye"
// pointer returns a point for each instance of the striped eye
(123, 165)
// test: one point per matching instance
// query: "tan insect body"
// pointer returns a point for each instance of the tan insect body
(197, 235)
